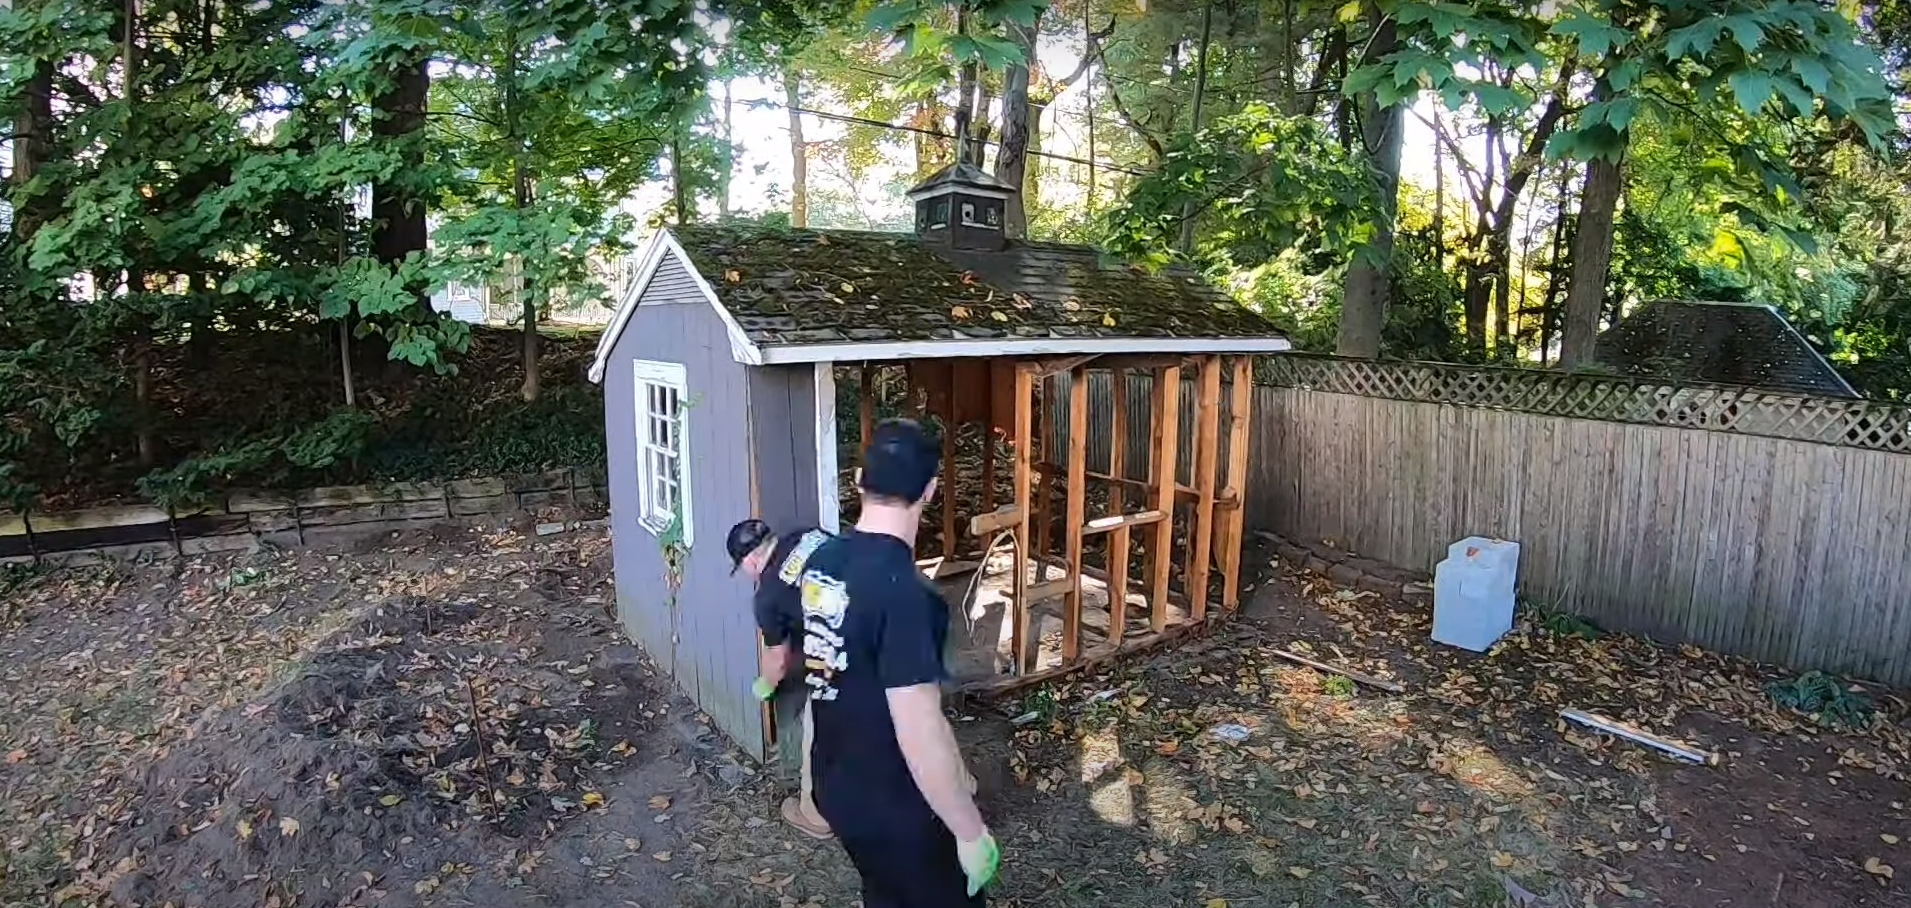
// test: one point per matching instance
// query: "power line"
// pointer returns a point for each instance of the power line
(903, 127)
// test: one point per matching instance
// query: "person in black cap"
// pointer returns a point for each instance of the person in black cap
(888, 774)
(755, 548)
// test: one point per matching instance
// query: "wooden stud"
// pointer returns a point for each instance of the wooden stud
(1121, 522)
(1207, 443)
(1163, 447)
(1239, 405)
(947, 492)
(1077, 511)
(1117, 502)
(1044, 489)
(1024, 476)
(1046, 366)
(867, 405)
(988, 465)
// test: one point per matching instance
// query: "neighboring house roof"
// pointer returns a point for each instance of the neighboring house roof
(1721, 343)
(826, 295)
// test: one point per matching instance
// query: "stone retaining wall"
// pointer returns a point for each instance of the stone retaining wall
(1351, 569)
(246, 519)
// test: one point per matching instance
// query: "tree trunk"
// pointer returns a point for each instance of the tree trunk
(1363, 309)
(679, 189)
(29, 147)
(1555, 272)
(520, 199)
(1185, 242)
(398, 215)
(1499, 254)
(729, 158)
(1439, 205)
(1018, 125)
(1032, 169)
(799, 152)
(1592, 257)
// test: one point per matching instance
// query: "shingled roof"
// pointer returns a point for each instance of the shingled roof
(1681, 341)
(811, 295)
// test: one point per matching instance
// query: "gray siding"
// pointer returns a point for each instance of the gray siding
(783, 436)
(712, 653)
(673, 283)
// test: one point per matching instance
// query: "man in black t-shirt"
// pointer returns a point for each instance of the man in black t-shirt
(888, 775)
(776, 564)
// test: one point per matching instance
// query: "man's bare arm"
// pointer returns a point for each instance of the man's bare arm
(929, 746)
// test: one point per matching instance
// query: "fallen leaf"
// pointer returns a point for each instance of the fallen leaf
(391, 800)
(1216, 903)
(288, 827)
(663, 856)
(1502, 860)
(15, 756)
(1879, 868)
(733, 275)
(593, 799)
(1074, 305)
(1108, 319)
(1889, 839)
(245, 828)
(1300, 873)
(959, 312)
(998, 315)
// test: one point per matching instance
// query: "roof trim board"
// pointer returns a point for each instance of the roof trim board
(663, 243)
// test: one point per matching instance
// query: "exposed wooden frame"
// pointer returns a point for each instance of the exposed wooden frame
(1164, 445)
(1117, 503)
(1042, 447)
(947, 492)
(1207, 443)
(1076, 508)
(1115, 523)
(1056, 365)
(1024, 477)
(1145, 485)
(866, 404)
(1240, 404)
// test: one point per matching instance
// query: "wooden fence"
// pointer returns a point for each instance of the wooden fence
(1766, 525)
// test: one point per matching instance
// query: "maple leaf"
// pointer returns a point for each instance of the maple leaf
(959, 312)
(288, 827)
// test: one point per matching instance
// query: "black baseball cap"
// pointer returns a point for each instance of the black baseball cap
(900, 460)
(745, 537)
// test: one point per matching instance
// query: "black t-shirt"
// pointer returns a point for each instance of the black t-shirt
(871, 622)
(778, 605)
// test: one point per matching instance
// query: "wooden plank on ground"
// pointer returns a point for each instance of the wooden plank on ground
(1240, 405)
(1117, 503)
(1024, 474)
(1077, 511)
(1164, 444)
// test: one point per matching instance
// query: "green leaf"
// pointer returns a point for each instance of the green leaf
(1348, 12)
(1694, 40)
(1596, 37)
(1752, 88)
(1745, 30)
(1813, 71)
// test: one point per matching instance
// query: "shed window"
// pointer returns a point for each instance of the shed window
(663, 486)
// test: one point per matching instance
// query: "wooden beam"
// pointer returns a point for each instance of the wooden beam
(948, 484)
(1076, 509)
(1120, 522)
(988, 464)
(867, 406)
(1046, 366)
(1187, 492)
(1050, 590)
(1164, 445)
(1240, 404)
(1118, 502)
(1140, 360)
(1002, 518)
(1044, 490)
(1024, 476)
(1207, 445)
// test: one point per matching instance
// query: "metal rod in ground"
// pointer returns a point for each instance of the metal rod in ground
(1640, 736)
(1369, 680)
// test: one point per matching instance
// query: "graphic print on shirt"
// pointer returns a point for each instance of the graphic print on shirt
(800, 555)
(824, 603)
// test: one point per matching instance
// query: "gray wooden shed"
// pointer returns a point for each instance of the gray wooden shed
(720, 372)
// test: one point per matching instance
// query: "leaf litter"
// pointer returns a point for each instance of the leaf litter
(434, 714)
(1221, 773)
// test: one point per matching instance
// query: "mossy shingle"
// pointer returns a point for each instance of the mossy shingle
(787, 287)
(1720, 343)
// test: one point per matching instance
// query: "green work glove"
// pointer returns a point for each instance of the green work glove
(763, 689)
(980, 859)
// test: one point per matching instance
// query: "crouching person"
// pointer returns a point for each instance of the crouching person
(776, 564)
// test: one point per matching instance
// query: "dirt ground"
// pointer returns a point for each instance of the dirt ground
(451, 718)
(435, 718)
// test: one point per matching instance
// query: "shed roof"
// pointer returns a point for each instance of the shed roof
(1721, 343)
(825, 295)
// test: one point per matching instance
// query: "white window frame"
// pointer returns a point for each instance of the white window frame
(657, 465)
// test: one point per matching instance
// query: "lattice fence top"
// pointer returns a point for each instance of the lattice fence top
(1750, 411)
